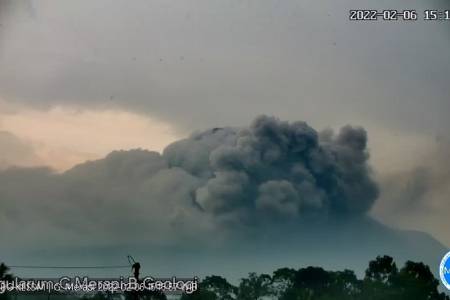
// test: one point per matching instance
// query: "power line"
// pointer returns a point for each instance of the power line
(67, 267)
(129, 257)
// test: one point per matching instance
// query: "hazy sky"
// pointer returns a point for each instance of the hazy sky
(79, 79)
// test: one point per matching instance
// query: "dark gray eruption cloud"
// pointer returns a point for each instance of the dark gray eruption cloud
(208, 183)
(279, 168)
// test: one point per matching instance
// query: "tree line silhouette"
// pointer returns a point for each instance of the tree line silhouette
(382, 281)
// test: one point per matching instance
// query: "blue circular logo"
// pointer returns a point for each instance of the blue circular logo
(444, 270)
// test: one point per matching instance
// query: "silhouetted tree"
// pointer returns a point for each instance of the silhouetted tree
(254, 287)
(382, 281)
(282, 280)
(378, 282)
(309, 283)
(416, 282)
(344, 285)
(5, 276)
(382, 269)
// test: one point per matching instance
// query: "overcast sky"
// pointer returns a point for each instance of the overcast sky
(79, 79)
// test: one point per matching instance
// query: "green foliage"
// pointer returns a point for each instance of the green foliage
(415, 281)
(382, 269)
(282, 280)
(379, 280)
(254, 287)
(382, 281)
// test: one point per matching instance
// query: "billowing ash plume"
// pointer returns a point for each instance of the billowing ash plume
(277, 168)
(261, 174)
